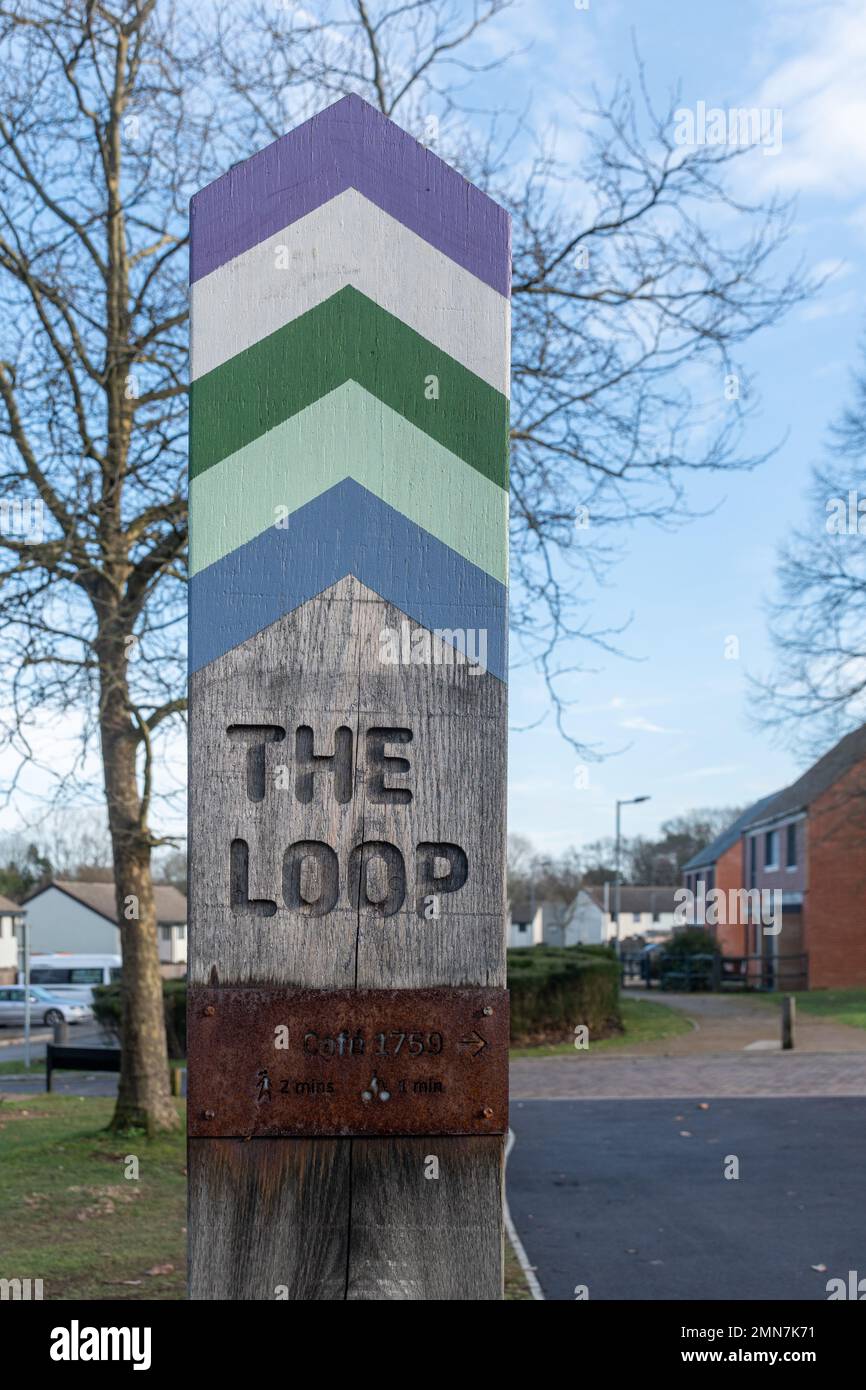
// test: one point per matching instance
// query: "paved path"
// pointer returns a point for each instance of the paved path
(618, 1198)
(717, 1057)
(734, 1022)
(642, 1078)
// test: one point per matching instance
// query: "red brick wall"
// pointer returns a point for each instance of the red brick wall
(729, 875)
(835, 916)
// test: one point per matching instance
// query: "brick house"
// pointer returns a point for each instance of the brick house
(805, 845)
(809, 844)
(721, 865)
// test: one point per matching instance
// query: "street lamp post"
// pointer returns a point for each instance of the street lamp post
(628, 801)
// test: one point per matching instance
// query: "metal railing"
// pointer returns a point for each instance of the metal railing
(712, 972)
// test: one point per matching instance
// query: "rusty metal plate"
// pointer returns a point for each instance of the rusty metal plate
(272, 1062)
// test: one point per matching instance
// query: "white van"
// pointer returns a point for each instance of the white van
(72, 977)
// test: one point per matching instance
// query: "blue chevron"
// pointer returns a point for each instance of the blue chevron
(346, 530)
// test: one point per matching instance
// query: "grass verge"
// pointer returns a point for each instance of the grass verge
(834, 1005)
(71, 1218)
(643, 1021)
(516, 1287)
(68, 1214)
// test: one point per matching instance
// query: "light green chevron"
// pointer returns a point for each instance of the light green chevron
(348, 433)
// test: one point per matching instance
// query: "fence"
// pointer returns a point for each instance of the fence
(666, 971)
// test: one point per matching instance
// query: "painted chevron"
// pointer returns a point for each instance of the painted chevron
(336, 534)
(347, 337)
(350, 241)
(350, 145)
(348, 433)
(350, 364)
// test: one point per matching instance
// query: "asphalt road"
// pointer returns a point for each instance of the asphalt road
(610, 1194)
(84, 1034)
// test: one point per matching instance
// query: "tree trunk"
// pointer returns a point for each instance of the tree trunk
(144, 1095)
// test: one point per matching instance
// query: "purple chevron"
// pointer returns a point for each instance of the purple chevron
(346, 530)
(350, 145)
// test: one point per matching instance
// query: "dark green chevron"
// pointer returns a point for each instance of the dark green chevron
(347, 337)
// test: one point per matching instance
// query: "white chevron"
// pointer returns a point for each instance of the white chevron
(350, 241)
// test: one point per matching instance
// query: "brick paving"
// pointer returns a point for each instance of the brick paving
(698, 1077)
(711, 1060)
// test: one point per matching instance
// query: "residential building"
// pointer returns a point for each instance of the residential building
(721, 865)
(645, 910)
(11, 920)
(801, 850)
(81, 918)
(525, 928)
(534, 924)
(809, 845)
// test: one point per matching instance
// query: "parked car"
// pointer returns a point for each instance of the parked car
(45, 1007)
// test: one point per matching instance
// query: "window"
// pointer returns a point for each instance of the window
(523, 927)
(86, 975)
(44, 975)
(753, 860)
(635, 916)
(771, 849)
(181, 933)
(791, 846)
(166, 933)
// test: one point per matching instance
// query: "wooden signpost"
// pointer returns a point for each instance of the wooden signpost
(348, 1027)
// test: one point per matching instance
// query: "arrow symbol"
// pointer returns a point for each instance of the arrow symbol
(475, 1041)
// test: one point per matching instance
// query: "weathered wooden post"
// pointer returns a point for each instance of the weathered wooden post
(348, 1024)
(789, 1014)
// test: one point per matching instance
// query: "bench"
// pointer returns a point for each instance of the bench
(70, 1058)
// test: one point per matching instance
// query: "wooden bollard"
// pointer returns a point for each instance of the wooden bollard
(789, 1013)
(348, 1023)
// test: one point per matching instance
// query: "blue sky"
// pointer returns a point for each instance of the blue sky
(674, 715)
(676, 711)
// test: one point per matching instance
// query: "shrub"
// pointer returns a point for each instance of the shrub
(690, 961)
(108, 1009)
(555, 988)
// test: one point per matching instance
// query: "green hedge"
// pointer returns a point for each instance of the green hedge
(555, 988)
(689, 961)
(107, 1008)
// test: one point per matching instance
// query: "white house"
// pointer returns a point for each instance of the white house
(11, 918)
(534, 924)
(81, 918)
(644, 911)
(526, 925)
(585, 920)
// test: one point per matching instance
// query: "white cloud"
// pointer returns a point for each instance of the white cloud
(645, 726)
(822, 95)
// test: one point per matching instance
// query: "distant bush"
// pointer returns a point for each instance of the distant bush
(108, 1009)
(555, 988)
(689, 961)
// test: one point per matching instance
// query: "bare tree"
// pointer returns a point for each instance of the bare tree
(816, 690)
(631, 296)
(111, 113)
(98, 147)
